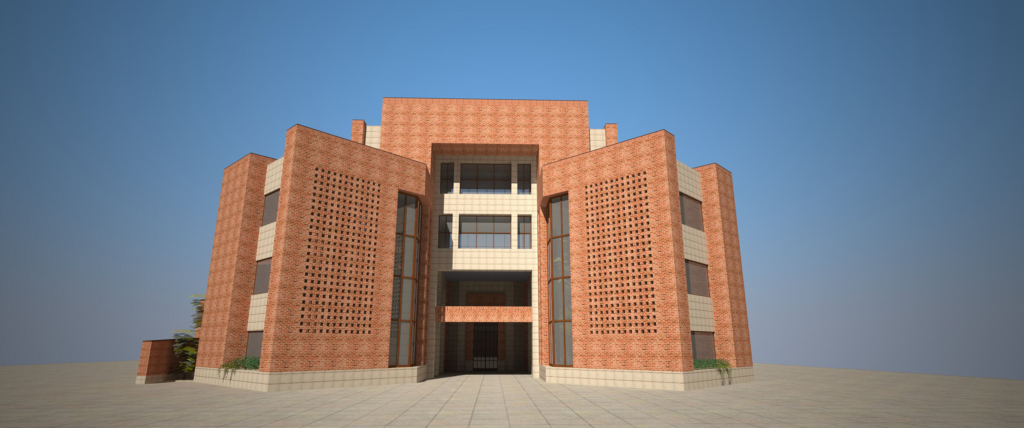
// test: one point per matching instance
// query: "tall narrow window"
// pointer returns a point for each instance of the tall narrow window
(270, 207)
(444, 231)
(524, 232)
(697, 279)
(262, 277)
(485, 179)
(402, 350)
(447, 178)
(479, 231)
(523, 179)
(703, 344)
(691, 210)
(254, 345)
(559, 284)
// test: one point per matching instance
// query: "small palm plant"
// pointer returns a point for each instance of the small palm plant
(186, 344)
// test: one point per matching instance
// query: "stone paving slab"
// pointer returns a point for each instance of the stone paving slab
(105, 395)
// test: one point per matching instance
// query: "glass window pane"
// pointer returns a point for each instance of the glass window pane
(524, 224)
(396, 297)
(468, 186)
(403, 345)
(406, 299)
(556, 218)
(503, 224)
(467, 240)
(419, 209)
(410, 215)
(565, 215)
(262, 277)
(467, 223)
(469, 171)
(502, 241)
(270, 207)
(484, 224)
(393, 347)
(408, 255)
(484, 240)
(503, 172)
(568, 343)
(567, 286)
(448, 170)
(255, 344)
(556, 305)
(448, 223)
(556, 257)
(559, 343)
(398, 255)
(565, 257)
(486, 172)
(415, 300)
(400, 214)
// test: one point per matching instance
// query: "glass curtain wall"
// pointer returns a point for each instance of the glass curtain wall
(403, 298)
(559, 284)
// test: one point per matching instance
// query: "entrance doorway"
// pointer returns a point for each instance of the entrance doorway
(485, 346)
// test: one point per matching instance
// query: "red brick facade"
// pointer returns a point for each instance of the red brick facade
(725, 270)
(157, 358)
(232, 264)
(330, 296)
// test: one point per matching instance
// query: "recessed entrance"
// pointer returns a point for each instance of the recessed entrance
(485, 346)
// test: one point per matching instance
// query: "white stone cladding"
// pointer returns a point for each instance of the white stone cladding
(695, 245)
(702, 314)
(373, 136)
(689, 181)
(273, 180)
(673, 381)
(451, 259)
(257, 312)
(265, 242)
(597, 139)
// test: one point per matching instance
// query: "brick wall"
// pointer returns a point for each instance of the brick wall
(725, 270)
(157, 358)
(626, 234)
(409, 126)
(233, 261)
(359, 131)
(334, 254)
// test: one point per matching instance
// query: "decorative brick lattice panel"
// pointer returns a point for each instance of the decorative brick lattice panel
(338, 286)
(621, 291)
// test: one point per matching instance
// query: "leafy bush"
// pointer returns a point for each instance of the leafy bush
(244, 363)
(710, 364)
(186, 345)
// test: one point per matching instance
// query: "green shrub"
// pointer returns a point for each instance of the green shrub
(723, 366)
(186, 345)
(245, 363)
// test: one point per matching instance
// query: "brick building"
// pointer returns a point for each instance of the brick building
(439, 242)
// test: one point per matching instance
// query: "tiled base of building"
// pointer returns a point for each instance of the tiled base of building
(171, 377)
(293, 381)
(672, 381)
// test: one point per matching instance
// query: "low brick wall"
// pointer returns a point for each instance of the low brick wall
(157, 362)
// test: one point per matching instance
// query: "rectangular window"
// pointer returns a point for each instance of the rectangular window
(691, 211)
(255, 344)
(270, 207)
(559, 283)
(402, 347)
(524, 232)
(697, 279)
(262, 277)
(703, 345)
(523, 179)
(486, 179)
(447, 178)
(444, 231)
(477, 231)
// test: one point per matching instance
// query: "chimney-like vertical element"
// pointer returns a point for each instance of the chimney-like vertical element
(359, 131)
(611, 134)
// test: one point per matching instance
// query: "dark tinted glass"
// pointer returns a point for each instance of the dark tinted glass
(447, 178)
(255, 344)
(486, 179)
(262, 277)
(270, 207)
(697, 279)
(703, 345)
(691, 210)
(523, 179)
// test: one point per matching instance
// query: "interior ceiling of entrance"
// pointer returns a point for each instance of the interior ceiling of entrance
(487, 275)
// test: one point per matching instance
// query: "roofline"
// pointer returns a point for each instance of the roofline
(483, 99)
(243, 157)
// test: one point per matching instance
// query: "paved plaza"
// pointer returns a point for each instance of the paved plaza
(105, 394)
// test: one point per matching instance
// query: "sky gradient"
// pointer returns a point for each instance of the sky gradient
(875, 148)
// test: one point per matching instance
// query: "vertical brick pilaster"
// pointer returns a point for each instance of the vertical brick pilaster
(359, 131)
(611, 134)
(725, 270)
(233, 262)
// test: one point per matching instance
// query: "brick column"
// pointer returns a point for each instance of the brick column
(359, 131)
(725, 270)
(611, 134)
(233, 262)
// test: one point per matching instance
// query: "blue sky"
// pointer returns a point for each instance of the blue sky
(875, 148)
